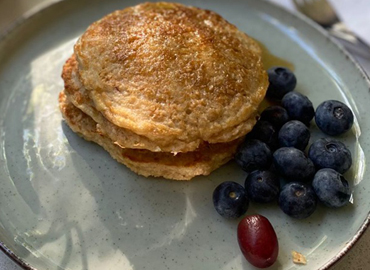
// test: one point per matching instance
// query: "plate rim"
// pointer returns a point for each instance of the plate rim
(44, 6)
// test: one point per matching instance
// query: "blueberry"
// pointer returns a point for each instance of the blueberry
(230, 199)
(253, 155)
(299, 107)
(297, 200)
(276, 115)
(294, 134)
(262, 186)
(331, 188)
(330, 153)
(281, 80)
(265, 132)
(333, 117)
(292, 164)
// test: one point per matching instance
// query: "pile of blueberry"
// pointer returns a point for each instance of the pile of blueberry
(279, 166)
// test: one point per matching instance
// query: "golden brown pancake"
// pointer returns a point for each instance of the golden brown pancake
(182, 166)
(162, 78)
(176, 75)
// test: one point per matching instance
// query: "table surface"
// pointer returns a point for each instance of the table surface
(357, 258)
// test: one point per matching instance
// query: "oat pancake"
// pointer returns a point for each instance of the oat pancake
(172, 73)
(182, 166)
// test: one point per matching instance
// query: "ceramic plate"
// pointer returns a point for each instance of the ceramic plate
(66, 204)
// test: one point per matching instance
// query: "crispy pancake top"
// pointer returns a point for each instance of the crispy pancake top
(172, 72)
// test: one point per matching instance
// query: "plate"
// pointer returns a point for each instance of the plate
(65, 204)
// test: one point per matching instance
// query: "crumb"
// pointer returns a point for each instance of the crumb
(298, 258)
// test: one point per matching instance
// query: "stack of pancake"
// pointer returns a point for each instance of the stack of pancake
(168, 90)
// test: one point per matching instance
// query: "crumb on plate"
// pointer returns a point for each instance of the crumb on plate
(298, 258)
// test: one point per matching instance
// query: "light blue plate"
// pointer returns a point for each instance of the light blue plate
(66, 204)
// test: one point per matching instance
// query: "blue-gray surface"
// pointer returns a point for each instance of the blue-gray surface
(355, 259)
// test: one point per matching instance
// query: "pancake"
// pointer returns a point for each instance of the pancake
(176, 75)
(182, 166)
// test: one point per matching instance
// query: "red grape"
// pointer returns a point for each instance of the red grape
(258, 241)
